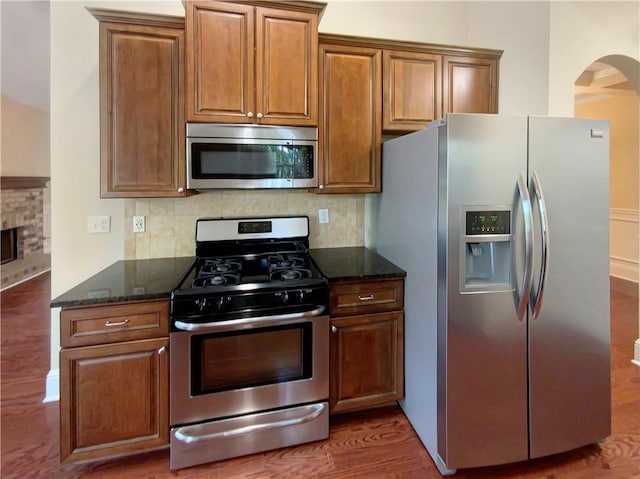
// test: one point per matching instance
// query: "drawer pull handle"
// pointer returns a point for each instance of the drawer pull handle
(109, 324)
(366, 298)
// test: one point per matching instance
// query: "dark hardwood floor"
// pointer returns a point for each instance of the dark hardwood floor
(376, 444)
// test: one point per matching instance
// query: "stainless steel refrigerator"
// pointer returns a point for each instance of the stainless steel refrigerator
(501, 223)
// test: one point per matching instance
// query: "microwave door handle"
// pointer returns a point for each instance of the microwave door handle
(250, 322)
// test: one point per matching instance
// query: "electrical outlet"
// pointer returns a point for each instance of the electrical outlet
(99, 224)
(323, 215)
(138, 224)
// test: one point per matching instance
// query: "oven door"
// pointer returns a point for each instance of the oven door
(236, 367)
(250, 163)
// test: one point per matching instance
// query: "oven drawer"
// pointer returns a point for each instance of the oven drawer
(114, 323)
(363, 297)
(248, 434)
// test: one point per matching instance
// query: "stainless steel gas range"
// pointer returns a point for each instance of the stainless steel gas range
(249, 341)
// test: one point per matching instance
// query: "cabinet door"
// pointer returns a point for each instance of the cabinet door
(350, 109)
(220, 62)
(366, 359)
(141, 111)
(470, 85)
(286, 67)
(113, 399)
(411, 90)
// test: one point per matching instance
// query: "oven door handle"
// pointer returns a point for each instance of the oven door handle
(186, 433)
(253, 321)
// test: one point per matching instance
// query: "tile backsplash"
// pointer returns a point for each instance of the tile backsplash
(170, 223)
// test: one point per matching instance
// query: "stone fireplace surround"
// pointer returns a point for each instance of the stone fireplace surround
(21, 204)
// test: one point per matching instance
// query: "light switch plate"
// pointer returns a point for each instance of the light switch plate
(99, 224)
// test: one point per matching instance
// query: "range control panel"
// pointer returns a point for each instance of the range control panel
(488, 222)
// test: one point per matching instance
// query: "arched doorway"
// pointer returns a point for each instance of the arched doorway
(609, 88)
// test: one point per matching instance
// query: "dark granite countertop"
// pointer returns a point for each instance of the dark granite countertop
(354, 263)
(128, 280)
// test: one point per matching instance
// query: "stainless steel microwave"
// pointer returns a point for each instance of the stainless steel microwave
(251, 156)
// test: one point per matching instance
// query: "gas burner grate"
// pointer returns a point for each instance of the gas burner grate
(289, 274)
(222, 266)
(216, 279)
(285, 261)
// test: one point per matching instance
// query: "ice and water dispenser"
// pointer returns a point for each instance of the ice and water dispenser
(486, 250)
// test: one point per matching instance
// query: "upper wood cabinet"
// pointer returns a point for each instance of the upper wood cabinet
(470, 85)
(351, 112)
(141, 105)
(411, 89)
(248, 63)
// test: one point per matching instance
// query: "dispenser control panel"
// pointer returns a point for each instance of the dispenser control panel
(488, 222)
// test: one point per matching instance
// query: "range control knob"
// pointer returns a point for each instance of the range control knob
(283, 296)
(203, 305)
(222, 302)
(302, 294)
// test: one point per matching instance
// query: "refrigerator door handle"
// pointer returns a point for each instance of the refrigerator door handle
(527, 276)
(536, 296)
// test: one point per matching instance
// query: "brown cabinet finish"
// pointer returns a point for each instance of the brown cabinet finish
(351, 108)
(366, 361)
(367, 344)
(113, 393)
(141, 105)
(470, 85)
(250, 64)
(411, 90)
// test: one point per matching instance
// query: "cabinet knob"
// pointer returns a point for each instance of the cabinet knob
(320, 187)
(334, 329)
(259, 115)
(162, 350)
(250, 114)
(180, 190)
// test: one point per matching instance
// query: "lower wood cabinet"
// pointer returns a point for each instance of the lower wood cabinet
(366, 345)
(114, 396)
(366, 361)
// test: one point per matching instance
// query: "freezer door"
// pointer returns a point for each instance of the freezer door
(482, 343)
(569, 351)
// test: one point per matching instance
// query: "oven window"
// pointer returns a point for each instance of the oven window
(257, 357)
(251, 161)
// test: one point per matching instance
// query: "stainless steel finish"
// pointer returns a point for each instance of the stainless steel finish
(247, 323)
(185, 408)
(265, 132)
(481, 387)
(227, 229)
(569, 343)
(200, 433)
(217, 440)
(250, 134)
(536, 297)
(110, 324)
(527, 278)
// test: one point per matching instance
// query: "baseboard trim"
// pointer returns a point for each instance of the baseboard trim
(636, 353)
(623, 268)
(52, 391)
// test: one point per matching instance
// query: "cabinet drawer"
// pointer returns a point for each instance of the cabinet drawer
(365, 297)
(114, 323)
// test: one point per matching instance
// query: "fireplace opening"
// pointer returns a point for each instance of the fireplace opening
(9, 245)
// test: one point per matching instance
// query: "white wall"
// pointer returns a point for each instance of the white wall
(581, 33)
